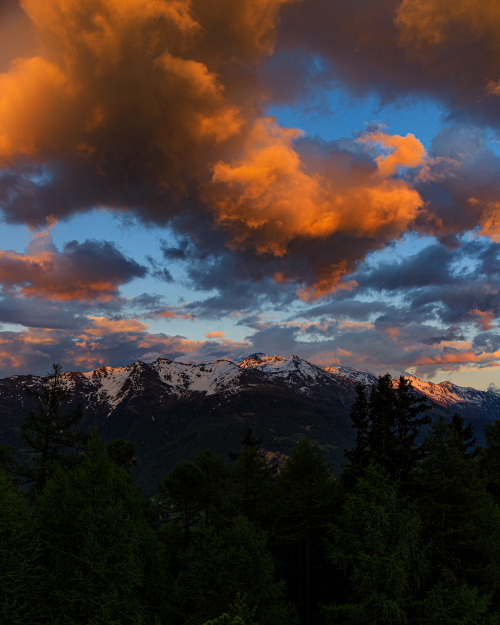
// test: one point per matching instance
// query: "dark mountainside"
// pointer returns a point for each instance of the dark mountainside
(171, 411)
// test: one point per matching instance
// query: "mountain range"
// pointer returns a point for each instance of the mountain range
(172, 410)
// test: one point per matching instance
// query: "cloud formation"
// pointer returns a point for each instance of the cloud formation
(150, 107)
(158, 110)
(92, 270)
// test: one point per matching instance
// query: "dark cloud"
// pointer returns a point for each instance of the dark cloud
(156, 111)
(446, 50)
(88, 271)
(412, 272)
(36, 313)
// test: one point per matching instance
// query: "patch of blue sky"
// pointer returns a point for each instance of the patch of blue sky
(493, 142)
(341, 115)
(15, 238)
(409, 244)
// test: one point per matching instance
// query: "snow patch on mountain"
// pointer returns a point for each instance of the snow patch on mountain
(286, 368)
(361, 377)
(109, 382)
(207, 378)
(110, 386)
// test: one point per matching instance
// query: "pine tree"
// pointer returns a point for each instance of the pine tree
(307, 497)
(489, 459)
(48, 434)
(228, 565)
(409, 422)
(461, 519)
(23, 580)
(103, 558)
(377, 544)
(359, 455)
(253, 487)
(388, 424)
(382, 435)
(181, 495)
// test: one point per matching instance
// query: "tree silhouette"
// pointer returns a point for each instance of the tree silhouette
(48, 434)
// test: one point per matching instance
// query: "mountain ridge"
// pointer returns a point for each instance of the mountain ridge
(171, 410)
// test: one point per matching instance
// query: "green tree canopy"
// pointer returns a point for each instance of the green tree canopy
(225, 565)
(461, 519)
(102, 556)
(306, 506)
(377, 544)
(23, 580)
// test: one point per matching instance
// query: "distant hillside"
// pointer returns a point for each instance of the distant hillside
(172, 410)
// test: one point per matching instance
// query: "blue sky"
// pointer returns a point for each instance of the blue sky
(205, 181)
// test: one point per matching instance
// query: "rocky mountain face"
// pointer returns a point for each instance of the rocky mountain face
(173, 410)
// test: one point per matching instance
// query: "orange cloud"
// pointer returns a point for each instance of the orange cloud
(90, 271)
(169, 314)
(101, 341)
(405, 151)
(355, 325)
(489, 220)
(214, 335)
(392, 332)
(150, 102)
(266, 199)
(484, 318)
(440, 35)
(453, 358)
(430, 23)
(116, 81)
(104, 326)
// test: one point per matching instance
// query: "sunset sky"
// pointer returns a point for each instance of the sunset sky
(202, 180)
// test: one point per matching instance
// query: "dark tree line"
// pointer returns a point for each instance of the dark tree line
(409, 533)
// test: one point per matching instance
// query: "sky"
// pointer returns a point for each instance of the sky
(200, 180)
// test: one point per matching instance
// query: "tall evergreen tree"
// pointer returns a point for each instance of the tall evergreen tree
(182, 495)
(103, 558)
(307, 498)
(377, 544)
(382, 435)
(49, 434)
(23, 579)
(489, 459)
(465, 436)
(461, 519)
(253, 487)
(218, 504)
(359, 455)
(388, 424)
(222, 566)
(409, 422)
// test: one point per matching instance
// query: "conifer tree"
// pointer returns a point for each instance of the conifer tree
(359, 455)
(253, 486)
(181, 495)
(377, 544)
(230, 565)
(461, 519)
(103, 558)
(49, 434)
(307, 503)
(218, 503)
(409, 422)
(388, 424)
(23, 580)
(490, 459)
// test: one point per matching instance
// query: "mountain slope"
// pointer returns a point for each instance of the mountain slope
(172, 410)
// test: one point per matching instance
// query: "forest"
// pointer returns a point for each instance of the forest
(408, 533)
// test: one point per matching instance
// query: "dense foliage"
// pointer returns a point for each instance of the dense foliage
(408, 534)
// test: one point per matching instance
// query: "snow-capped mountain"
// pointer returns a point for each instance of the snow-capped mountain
(172, 410)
